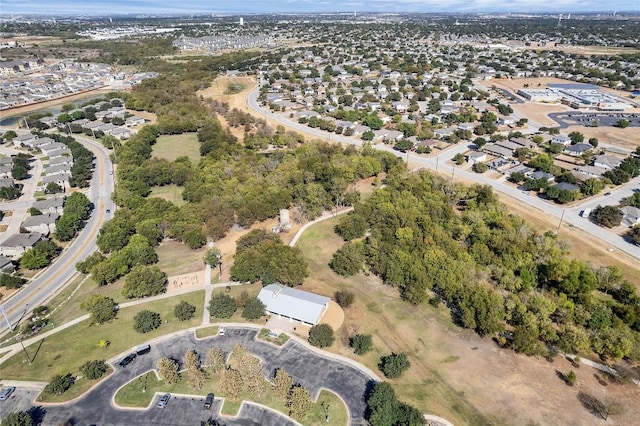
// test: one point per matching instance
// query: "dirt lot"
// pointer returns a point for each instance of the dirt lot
(624, 138)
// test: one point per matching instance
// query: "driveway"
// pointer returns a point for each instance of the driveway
(308, 368)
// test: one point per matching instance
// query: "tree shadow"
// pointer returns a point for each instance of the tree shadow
(37, 414)
(35, 354)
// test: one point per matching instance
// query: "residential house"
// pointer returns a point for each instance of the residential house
(608, 162)
(566, 186)
(61, 180)
(50, 205)
(5, 171)
(6, 265)
(591, 171)
(539, 174)
(59, 153)
(43, 223)
(578, 149)
(499, 164)
(21, 140)
(48, 148)
(498, 151)
(561, 139)
(476, 157)
(631, 215)
(15, 246)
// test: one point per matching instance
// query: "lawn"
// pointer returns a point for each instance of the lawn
(203, 333)
(78, 388)
(175, 258)
(66, 351)
(252, 291)
(132, 395)
(171, 193)
(395, 326)
(170, 147)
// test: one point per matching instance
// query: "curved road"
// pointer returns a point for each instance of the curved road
(63, 269)
(439, 163)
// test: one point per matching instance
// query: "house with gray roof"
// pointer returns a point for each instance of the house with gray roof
(15, 246)
(43, 223)
(578, 149)
(24, 139)
(50, 205)
(631, 216)
(608, 162)
(297, 305)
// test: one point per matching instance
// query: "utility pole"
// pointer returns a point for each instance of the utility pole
(561, 217)
(437, 161)
(4, 314)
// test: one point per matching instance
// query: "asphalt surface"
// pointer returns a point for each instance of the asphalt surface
(63, 269)
(566, 119)
(306, 367)
(439, 163)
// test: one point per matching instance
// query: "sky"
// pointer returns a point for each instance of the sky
(106, 7)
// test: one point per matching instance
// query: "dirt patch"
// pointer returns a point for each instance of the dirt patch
(625, 138)
(186, 281)
(334, 316)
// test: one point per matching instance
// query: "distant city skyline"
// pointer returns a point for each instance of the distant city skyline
(120, 7)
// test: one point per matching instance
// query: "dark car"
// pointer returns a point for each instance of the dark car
(208, 401)
(127, 360)
(606, 194)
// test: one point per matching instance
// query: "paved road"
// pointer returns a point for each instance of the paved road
(439, 163)
(566, 119)
(63, 269)
(306, 367)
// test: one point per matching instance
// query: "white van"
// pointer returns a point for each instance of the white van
(585, 213)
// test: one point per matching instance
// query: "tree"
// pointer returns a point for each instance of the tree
(282, 383)
(59, 384)
(609, 216)
(382, 405)
(146, 321)
(67, 226)
(212, 257)
(576, 137)
(593, 142)
(232, 384)
(101, 308)
(344, 298)
(361, 343)
(351, 226)
(40, 255)
(253, 309)
(93, 370)
(18, 418)
(349, 259)
(222, 306)
(215, 360)
(9, 135)
(168, 370)
(321, 335)
(591, 186)
(622, 123)
(480, 167)
(367, 135)
(570, 378)
(184, 311)
(394, 365)
(11, 281)
(299, 402)
(53, 188)
(634, 234)
(144, 281)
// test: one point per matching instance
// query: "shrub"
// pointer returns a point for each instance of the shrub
(93, 369)
(222, 306)
(18, 418)
(184, 311)
(146, 321)
(394, 365)
(344, 298)
(101, 308)
(361, 343)
(570, 378)
(321, 335)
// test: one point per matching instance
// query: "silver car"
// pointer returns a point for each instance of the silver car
(164, 399)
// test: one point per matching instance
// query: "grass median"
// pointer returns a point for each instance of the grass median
(66, 351)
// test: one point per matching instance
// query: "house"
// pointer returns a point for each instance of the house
(24, 139)
(61, 180)
(506, 121)
(539, 174)
(524, 142)
(520, 168)
(578, 149)
(476, 157)
(6, 265)
(43, 223)
(561, 139)
(58, 169)
(64, 159)
(631, 215)
(566, 186)
(120, 133)
(61, 152)
(15, 246)
(50, 205)
(6, 182)
(50, 147)
(498, 151)
(498, 164)
(591, 171)
(5, 171)
(134, 121)
(608, 162)
(297, 305)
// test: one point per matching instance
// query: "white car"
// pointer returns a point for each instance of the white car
(221, 331)
(164, 399)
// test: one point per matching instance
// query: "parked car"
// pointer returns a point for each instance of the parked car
(221, 331)
(6, 392)
(127, 360)
(164, 399)
(208, 401)
(606, 194)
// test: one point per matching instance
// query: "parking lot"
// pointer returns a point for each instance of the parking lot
(306, 367)
(566, 119)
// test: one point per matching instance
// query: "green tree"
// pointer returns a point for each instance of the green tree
(9, 135)
(269, 261)
(53, 188)
(321, 335)
(591, 186)
(184, 311)
(94, 258)
(101, 308)
(143, 281)
(459, 159)
(382, 405)
(349, 259)
(480, 167)
(634, 234)
(394, 365)
(212, 257)
(622, 123)
(351, 226)
(18, 418)
(361, 343)
(93, 370)
(67, 226)
(222, 306)
(609, 216)
(59, 384)
(146, 321)
(11, 281)
(253, 309)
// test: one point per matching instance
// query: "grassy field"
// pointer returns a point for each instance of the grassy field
(203, 333)
(66, 351)
(395, 326)
(171, 147)
(131, 395)
(171, 193)
(175, 258)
